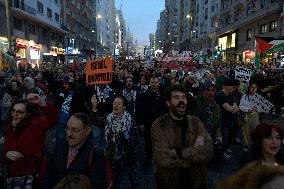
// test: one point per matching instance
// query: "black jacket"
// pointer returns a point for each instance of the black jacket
(56, 167)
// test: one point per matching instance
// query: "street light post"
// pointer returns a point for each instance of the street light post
(7, 8)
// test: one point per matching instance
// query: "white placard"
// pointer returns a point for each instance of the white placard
(243, 74)
(262, 105)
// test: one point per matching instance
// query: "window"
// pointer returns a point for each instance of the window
(32, 29)
(56, 17)
(213, 8)
(18, 24)
(263, 28)
(56, 1)
(273, 25)
(39, 7)
(206, 13)
(49, 13)
(249, 35)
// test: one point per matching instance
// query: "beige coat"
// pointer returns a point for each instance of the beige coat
(166, 136)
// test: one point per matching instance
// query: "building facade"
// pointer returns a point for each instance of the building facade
(4, 45)
(241, 21)
(105, 27)
(35, 28)
(121, 33)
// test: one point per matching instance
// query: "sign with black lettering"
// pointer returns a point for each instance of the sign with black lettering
(262, 105)
(243, 74)
(99, 71)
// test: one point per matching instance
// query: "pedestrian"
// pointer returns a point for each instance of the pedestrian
(251, 113)
(24, 138)
(181, 146)
(121, 142)
(267, 139)
(229, 112)
(76, 156)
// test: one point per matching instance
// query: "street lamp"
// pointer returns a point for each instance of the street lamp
(99, 16)
(169, 33)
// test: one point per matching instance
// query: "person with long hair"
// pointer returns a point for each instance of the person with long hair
(251, 113)
(121, 142)
(266, 138)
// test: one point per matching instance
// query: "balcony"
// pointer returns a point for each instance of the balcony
(24, 7)
(250, 18)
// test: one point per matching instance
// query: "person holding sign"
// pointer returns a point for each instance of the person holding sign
(252, 115)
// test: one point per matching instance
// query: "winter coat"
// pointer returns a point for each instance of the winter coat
(28, 139)
(169, 166)
(55, 167)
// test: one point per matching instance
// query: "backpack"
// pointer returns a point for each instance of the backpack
(108, 166)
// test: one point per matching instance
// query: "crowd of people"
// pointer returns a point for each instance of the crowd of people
(187, 120)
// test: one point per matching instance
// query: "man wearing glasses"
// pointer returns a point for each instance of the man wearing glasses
(75, 159)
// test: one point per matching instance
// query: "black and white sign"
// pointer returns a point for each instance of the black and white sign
(243, 74)
(262, 105)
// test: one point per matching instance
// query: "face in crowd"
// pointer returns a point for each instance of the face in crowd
(142, 80)
(177, 104)
(118, 106)
(19, 113)
(154, 84)
(209, 93)
(252, 89)
(128, 83)
(76, 131)
(271, 144)
(94, 101)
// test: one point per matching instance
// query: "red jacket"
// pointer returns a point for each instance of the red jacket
(29, 141)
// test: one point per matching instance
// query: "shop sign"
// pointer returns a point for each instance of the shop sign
(57, 50)
(25, 44)
(71, 50)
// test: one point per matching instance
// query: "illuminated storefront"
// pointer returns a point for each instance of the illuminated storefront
(55, 55)
(227, 43)
(248, 57)
(28, 52)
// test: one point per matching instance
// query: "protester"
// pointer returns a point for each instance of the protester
(251, 113)
(267, 139)
(121, 141)
(181, 146)
(229, 110)
(24, 137)
(76, 157)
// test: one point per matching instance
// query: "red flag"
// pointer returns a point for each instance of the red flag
(261, 45)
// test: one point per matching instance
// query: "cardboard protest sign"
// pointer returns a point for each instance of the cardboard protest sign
(262, 105)
(243, 74)
(99, 71)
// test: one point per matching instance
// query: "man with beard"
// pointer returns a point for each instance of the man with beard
(181, 146)
(150, 105)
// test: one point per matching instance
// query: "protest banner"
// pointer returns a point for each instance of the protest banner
(262, 105)
(243, 74)
(99, 71)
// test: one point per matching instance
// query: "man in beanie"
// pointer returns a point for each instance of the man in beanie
(229, 112)
(31, 87)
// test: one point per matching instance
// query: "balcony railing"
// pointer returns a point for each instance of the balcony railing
(22, 6)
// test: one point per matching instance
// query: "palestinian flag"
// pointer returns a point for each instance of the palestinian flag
(267, 45)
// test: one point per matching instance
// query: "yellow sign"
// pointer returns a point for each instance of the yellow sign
(99, 71)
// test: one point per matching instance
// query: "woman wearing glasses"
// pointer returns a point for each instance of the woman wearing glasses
(121, 142)
(24, 136)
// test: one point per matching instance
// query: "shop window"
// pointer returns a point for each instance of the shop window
(263, 28)
(18, 24)
(49, 13)
(56, 1)
(273, 25)
(249, 35)
(56, 17)
(39, 7)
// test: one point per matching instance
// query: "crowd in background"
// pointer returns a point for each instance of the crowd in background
(114, 116)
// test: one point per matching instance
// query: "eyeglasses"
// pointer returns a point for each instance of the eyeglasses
(74, 130)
